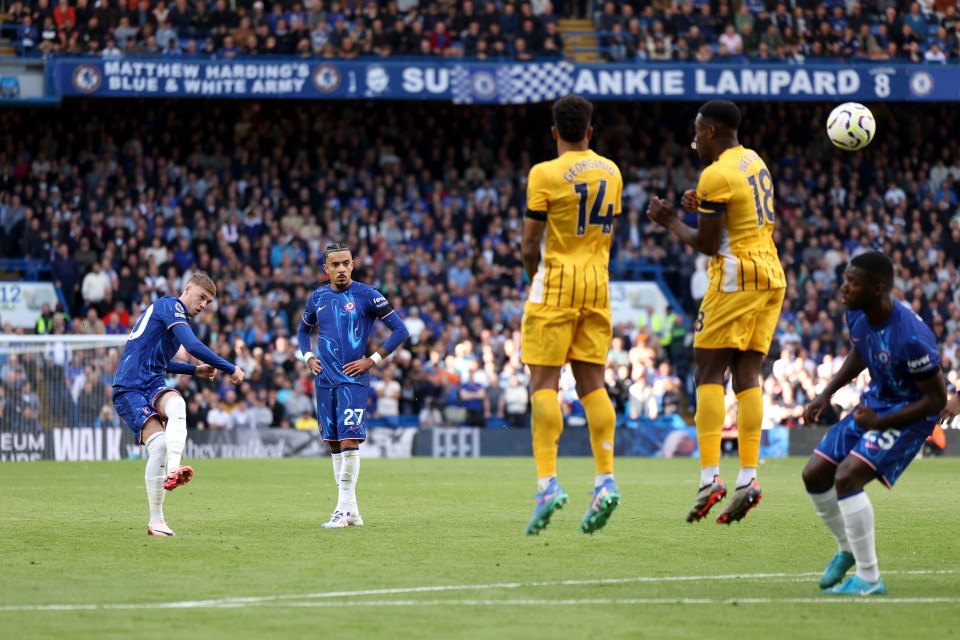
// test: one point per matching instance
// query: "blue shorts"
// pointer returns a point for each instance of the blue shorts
(340, 412)
(136, 407)
(887, 452)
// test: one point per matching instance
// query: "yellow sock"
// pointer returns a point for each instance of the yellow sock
(749, 424)
(602, 421)
(709, 419)
(546, 425)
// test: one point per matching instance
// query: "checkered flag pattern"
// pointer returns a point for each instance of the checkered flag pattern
(511, 84)
(460, 85)
(540, 82)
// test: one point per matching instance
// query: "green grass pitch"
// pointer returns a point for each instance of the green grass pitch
(443, 555)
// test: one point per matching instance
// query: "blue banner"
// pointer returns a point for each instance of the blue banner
(498, 83)
(934, 83)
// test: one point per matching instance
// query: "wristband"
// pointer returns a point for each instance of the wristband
(308, 355)
(376, 357)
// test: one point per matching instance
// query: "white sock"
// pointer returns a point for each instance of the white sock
(155, 474)
(829, 511)
(349, 471)
(601, 478)
(337, 463)
(543, 483)
(707, 474)
(858, 522)
(176, 430)
(746, 476)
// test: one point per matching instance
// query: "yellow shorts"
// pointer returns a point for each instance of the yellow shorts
(742, 320)
(552, 336)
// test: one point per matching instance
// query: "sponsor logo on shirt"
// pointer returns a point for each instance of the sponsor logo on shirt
(919, 363)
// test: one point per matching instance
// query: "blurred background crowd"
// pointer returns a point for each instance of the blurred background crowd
(126, 199)
(626, 30)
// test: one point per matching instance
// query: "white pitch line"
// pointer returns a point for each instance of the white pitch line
(623, 601)
(233, 602)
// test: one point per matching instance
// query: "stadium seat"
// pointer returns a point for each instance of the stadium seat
(9, 88)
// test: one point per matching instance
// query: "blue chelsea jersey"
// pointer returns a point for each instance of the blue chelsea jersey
(151, 345)
(897, 354)
(344, 321)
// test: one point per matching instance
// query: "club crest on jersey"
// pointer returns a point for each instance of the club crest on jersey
(883, 357)
(350, 306)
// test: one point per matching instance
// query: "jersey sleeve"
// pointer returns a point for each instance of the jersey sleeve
(378, 302)
(922, 357)
(310, 312)
(386, 313)
(538, 193)
(848, 319)
(170, 311)
(199, 350)
(713, 192)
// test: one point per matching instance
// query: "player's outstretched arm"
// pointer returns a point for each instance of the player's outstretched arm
(184, 368)
(206, 371)
(201, 371)
(201, 351)
(851, 368)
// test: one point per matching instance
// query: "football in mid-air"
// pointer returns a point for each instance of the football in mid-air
(851, 126)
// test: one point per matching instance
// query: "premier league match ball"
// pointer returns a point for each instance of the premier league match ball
(851, 126)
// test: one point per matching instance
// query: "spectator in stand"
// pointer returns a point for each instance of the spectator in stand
(28, 37)
(95, 286)
(217, 417)
(430, 416)
(388, 396)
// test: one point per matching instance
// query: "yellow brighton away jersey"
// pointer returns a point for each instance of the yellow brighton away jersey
(739, 185)
(580, 193)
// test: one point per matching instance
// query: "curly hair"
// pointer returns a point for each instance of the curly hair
(571, 117)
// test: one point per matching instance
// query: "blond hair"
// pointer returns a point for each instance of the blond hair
(203, 280)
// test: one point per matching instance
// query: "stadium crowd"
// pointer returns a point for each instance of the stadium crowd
(779, 30)
(126, 199)
(628, 30)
